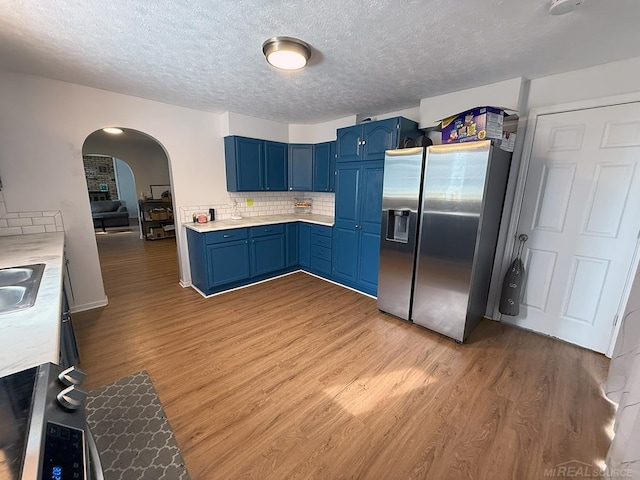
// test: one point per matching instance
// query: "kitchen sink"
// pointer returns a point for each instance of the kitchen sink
(10, 296)
(10, 276)
(19, 286)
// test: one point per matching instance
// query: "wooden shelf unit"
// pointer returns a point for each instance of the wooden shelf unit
(155, 215)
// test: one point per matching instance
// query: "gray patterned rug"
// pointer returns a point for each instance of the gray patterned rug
(132, 432)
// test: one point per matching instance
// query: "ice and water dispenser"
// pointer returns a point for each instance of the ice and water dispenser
(398, 226)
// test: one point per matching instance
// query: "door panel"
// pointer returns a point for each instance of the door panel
(275, 162)
(304, 231)
(580, 210)
(321, 166)
(348, 145)
(368, 261)
(228, 262)
(267, 254)
(345, 252)
(347, 194)
(249, 166)
(371, 197)
(379, 137)
(301, 167)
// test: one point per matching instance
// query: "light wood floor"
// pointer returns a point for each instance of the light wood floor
(299, 378)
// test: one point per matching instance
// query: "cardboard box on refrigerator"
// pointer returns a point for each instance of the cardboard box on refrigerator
(480, 123)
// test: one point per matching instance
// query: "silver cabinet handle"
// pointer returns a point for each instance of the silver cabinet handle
(227, 236)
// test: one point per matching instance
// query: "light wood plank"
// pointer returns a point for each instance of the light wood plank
(298, 378)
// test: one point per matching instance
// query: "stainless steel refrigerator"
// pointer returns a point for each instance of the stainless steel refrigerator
(441, 213)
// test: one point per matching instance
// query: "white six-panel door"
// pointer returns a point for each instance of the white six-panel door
(581, 211)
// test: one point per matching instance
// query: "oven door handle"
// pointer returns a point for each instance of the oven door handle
(95, 464)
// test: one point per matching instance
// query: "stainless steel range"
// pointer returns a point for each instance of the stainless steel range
(43, 432)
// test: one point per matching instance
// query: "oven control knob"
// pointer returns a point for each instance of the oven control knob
(72, 398)
(72, 376)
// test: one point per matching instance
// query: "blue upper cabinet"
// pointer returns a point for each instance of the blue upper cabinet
(378, 137)
(322, 167)
(368, 141)
(244, 160)
(275, 166)
(301, 167)
(348, 143)
(255, 165)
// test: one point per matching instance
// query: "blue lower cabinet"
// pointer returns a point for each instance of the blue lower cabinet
(368, 264)
(293, 244)
(320, 250)
(226, 259)
(345, 253)
(267, 254)
(305, 244)
(228, 262)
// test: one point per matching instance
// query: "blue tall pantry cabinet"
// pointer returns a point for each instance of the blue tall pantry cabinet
(358, 187)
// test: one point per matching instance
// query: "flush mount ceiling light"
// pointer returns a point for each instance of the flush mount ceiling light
(286, 53)
(560, 7)
(112, 130)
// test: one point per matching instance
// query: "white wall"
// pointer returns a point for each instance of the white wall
(320, 132)
(243, 125)
(504, 94)
(147, 159)
(43, 124)
(615, 78)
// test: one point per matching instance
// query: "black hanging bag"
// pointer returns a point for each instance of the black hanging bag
(512, 285)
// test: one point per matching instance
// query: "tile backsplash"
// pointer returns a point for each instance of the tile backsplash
(24, 223)
(264, 203)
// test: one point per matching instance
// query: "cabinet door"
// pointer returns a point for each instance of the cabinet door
(321, 167)
(332, 168)
(370, 196)
(267, 254)
(301, 167)
(348, 142)
(275, 166)
(228, 262)
(371, 176)
(378, 137)
(345, 252)
(347, 184)
(293, 245)
(368, 260)
(304, 231)
(249, 164)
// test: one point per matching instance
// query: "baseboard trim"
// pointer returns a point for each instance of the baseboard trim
(273, 278)
(242, 286)
(89, 306)
(339, 284)
(184, 284)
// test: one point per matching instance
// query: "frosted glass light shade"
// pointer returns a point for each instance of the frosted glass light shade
(286, 53)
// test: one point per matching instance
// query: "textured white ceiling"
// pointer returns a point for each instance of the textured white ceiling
(370, 56)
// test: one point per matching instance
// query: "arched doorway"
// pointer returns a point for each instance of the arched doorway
(127, 169)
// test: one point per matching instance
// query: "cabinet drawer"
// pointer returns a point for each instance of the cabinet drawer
(320, 240)
(319, 265)
(321, 230)
(263, 230)
(321, 252)
(226, 235)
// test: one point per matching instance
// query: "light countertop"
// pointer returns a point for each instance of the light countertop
(257, 221)
(31, 336)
